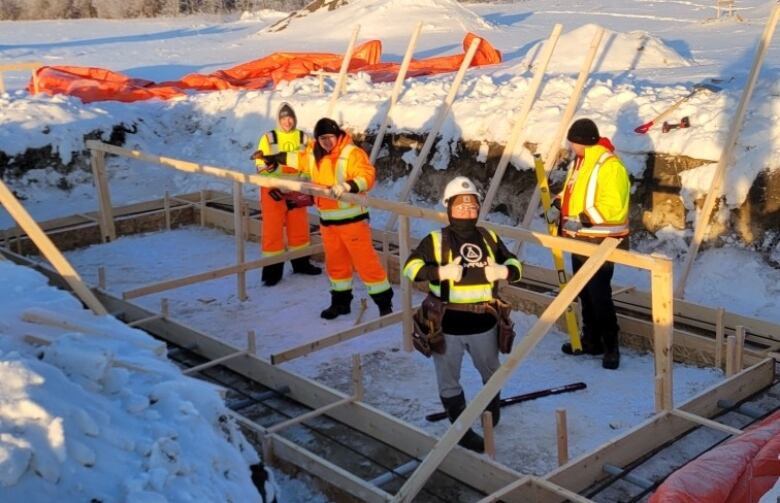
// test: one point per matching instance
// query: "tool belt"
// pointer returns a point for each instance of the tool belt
(298, 199)
(428, 336)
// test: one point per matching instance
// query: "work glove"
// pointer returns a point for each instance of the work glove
(585, 220)
(339, 189)
(495, 272)
(572, 225)
(272, 162)
(452, 271)
(276, 194)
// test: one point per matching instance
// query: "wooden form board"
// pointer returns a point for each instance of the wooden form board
(18, 67)
(703, 221)
(343, 72)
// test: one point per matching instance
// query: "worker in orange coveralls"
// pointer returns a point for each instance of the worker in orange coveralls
(280, 208)
(334, 161)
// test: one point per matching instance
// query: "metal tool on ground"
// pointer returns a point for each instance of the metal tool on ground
(552, 227)
(644, 128)
(525, 397)
(684, 123)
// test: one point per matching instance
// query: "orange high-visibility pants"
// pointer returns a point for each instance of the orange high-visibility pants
(275, 217)
(348, 247)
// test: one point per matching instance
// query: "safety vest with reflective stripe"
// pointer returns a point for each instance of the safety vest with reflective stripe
(345, 162)
(461, 292)
(600, 188)
(276, 141)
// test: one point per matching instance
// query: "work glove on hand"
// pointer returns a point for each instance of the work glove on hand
(276, 194)
(585, 220)
(495, 272)
(553, 215)
(572, 225)
(339, 189)
(272, 162)
(452, 271)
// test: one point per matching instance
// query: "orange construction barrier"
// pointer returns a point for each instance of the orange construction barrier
(739, 471)
(98, 84)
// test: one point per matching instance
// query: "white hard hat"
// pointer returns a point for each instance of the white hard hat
(458, 186)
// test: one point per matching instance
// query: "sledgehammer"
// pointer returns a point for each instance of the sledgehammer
(644, 128)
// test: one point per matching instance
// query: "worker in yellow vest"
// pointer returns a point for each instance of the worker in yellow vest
(592, 206)
(283, 210)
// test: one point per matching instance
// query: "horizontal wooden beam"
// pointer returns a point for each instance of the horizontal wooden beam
(220, 273)
(709, 423)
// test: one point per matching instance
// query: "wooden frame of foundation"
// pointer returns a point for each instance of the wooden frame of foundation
(20, 67)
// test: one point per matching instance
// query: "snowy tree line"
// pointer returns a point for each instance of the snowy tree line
(72, 9)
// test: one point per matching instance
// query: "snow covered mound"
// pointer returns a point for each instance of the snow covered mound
(618, 52)
(101, 416)
(447, 16)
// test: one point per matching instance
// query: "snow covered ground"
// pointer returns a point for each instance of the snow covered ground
(102, 416)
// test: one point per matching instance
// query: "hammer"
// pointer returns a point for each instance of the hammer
(685, 122)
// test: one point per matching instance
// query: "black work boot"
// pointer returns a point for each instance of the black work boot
(339, 304)
(384, 301)
(303, 266)
(272, 274)
(611, 358)
(454, 406)
(589, 346)
(494, 407)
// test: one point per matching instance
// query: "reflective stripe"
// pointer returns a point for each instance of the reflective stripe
(590, 194)
(361, 183)
(341, 176)
(272, 142)
(436, 238)
(516, 263)
(272, 253)
(337, 214)
(413, 267)
(304, 245)
(340, 285)
(471, 293)
(378, 287)
(435, 289)
(605, 230)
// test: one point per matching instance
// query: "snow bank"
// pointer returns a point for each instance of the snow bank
(88, 417)
(619, 52)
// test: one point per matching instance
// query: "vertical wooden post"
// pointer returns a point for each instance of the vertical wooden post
(563, 436)
(406, 285)
(245, 216)
(105, 210)
(739, 349)
(703, 220)
(322, 81)
(18, 239)
(731, 349)
(520, 119)
(49, 249)
(719, 332)
(101, 277)
(36, 86)
(2, 84)
(490, 438)
(357, 377)
(343, 72)
(399, 82)
(167, 210)
(165, 309)
(238, 223)
(662, 291)
(251, 343)
(202, 208)
(444, 111)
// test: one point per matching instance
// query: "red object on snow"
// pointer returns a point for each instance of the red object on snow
(98, 84)
(739, 471)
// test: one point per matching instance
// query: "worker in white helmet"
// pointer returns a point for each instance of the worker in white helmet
(463, 264)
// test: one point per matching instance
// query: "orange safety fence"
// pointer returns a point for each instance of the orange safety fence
(741, 470)
(98, 84)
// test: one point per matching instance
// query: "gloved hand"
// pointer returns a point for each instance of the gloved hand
(553, 215)
(495, 272)
(276, 194)
(585, 220)
(452, 271)
(572, 225)
(272, 162)
(339, 189)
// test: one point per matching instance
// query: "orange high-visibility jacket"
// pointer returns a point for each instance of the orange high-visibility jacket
(344, 163)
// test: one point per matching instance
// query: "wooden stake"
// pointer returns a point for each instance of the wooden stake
(203, 208)
(343, 72)
(487, 431)
(399, 82)
(361, 311)
(574, 101)
(167, 210)
(547, 319)
(520, 120)
(18, 239)
(703, 220)
(164, 307)
(719, 332)
(563, 436)
(105, 210)
(661, 290)
(238, 223)
(101, 277)
(406, 285)
(739, 348)
(48, 249)
(357, 378)
(444, 111)
(251, 343)
(731, 349)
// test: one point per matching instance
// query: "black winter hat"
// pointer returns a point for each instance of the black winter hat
(327, 126)
(286, 111)
(584, 132)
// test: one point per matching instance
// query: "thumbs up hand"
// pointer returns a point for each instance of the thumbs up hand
(452, 271)
(495, 272)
